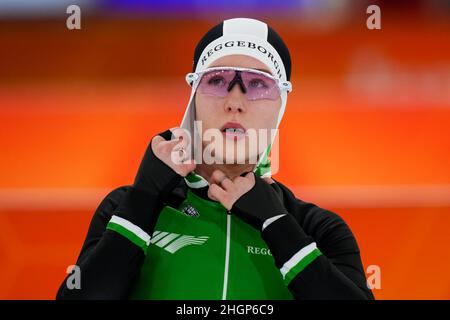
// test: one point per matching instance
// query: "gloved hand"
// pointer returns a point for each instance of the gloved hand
(259, 206)
(248, 197)
(160, 171)
(161, 168)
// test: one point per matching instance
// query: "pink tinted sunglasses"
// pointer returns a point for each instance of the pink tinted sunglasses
(255, 84)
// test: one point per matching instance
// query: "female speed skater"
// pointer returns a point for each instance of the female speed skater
(211, 223)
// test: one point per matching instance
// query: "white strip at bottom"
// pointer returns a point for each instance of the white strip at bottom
(296, 258)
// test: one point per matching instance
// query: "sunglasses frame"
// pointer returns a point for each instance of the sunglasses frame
(193, 78)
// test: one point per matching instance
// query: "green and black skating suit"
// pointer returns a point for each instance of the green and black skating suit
(182, 245)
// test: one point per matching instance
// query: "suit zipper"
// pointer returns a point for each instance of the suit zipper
(227, 257)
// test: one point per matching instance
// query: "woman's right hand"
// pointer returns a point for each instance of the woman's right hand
(161, 169)
(170, 152)
(159, 173)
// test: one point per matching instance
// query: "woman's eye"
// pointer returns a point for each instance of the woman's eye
(257, 83)
(216, 81)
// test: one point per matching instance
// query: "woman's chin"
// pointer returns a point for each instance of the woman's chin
(231, 152)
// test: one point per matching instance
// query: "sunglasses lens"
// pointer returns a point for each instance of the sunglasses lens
(216, 82)
(258, 86)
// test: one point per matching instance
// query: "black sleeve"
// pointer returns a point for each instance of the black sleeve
(108, 262)
(335, 274)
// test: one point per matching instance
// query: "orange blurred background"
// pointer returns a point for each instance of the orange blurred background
(366, 132)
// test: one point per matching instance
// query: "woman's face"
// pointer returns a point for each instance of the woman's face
(215, 112)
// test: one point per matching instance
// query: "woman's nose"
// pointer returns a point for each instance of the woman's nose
(236, 100)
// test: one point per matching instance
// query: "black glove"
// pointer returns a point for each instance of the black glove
(259, 204)
(154, 176)
(152, 186)
(283, 234)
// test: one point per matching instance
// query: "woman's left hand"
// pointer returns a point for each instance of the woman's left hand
(227, 191)
(250, 198)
